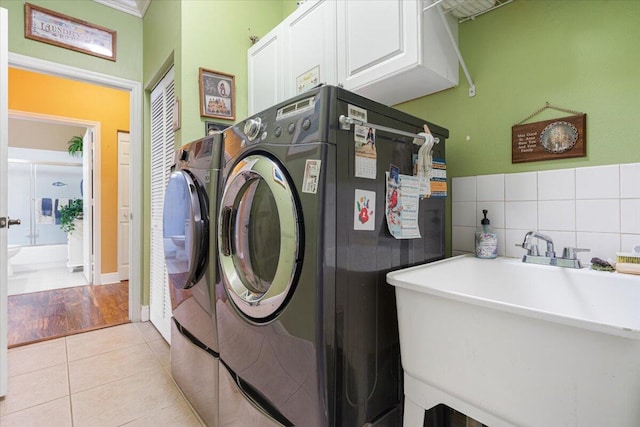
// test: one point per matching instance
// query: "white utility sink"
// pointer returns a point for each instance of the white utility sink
(515, 344)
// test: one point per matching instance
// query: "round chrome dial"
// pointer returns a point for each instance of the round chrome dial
(252, 128)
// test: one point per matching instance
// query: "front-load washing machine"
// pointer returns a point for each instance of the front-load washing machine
(190, 250)
(306, 321)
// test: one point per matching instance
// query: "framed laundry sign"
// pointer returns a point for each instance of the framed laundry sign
(549, 139)
(54, 28)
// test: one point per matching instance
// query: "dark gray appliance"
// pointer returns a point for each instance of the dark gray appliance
(307, 324)
(189, 249)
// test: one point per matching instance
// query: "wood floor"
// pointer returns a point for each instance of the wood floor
(57, 313)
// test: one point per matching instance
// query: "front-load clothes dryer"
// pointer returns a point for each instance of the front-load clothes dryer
(190, 251)
(307, 323)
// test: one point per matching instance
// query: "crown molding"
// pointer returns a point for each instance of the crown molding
(132, 7)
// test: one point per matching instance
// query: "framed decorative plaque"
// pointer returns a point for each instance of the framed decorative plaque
(217, 94)
(549, 139)
(54, 28)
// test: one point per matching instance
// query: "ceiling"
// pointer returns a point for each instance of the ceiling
(41, 135)
(464, 10)
(132, 7)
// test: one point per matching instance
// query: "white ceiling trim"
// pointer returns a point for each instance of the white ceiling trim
(132, 7)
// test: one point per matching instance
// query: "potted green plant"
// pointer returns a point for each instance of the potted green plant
(70, 213)
(75, 146)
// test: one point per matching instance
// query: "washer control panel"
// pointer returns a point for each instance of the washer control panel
(290, 124)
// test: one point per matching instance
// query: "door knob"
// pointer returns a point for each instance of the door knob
(8, 222)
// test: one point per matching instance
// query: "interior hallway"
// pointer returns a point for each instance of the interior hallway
(115, 376)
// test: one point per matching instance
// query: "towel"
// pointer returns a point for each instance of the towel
(46, 206)
(425, 161)
(41, 218)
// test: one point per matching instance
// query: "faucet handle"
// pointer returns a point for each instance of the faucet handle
(531, 249)
(570, 253)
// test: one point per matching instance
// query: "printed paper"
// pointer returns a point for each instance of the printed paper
(364, 216)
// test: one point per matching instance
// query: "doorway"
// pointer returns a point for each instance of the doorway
(107, 274)
(136, 312)
(51, 285)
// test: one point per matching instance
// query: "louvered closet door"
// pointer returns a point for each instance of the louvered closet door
(162, 153)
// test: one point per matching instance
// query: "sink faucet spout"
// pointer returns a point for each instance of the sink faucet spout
(534, 234)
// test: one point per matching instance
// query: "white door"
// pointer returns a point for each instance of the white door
(123, 205)
(87, 205)
(162, 152)
(4, 135)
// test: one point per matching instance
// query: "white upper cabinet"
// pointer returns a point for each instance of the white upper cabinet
(387, 50)
(265, 60)
(393, 51)
(310, 46)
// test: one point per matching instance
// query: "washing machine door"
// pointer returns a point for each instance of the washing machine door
(259, 237)
(185, 230)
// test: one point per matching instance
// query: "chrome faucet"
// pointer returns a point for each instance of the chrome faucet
(568, 259)
(533, 249)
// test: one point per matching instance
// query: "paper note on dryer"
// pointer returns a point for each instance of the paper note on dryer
(401, 205)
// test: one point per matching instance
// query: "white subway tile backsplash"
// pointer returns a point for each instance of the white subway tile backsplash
(463, 213)
(557, 184)
(601, 245)
(628, 241)
(521, 186)
(630, 181)
(601, 216)
(521, 215)
(490, 188)
(598, 182)
(630, 216)
(513, 238)
(559, 215)
(463, 189)
(463, 239)
(592, 207)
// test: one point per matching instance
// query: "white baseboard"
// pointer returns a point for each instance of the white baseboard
(144, 313)
(106, 279)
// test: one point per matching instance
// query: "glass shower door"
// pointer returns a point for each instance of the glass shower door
(37, 191)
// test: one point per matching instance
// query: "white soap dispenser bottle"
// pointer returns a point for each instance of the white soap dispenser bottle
(486, 239)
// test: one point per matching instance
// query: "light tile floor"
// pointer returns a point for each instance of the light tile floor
(118, 376)
(56, 277)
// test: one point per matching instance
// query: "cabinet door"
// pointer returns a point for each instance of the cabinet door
(310, 40)
(376, 39)
(265, 72)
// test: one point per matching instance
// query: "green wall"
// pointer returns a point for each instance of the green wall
(220, 43)
(579, 55)
(129, 37)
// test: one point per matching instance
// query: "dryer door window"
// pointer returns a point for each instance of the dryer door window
(259, 237)
(185, 230)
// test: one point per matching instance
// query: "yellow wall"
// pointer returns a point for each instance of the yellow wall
(38, 93)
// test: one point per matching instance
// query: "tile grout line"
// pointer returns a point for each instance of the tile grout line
(66, 350)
